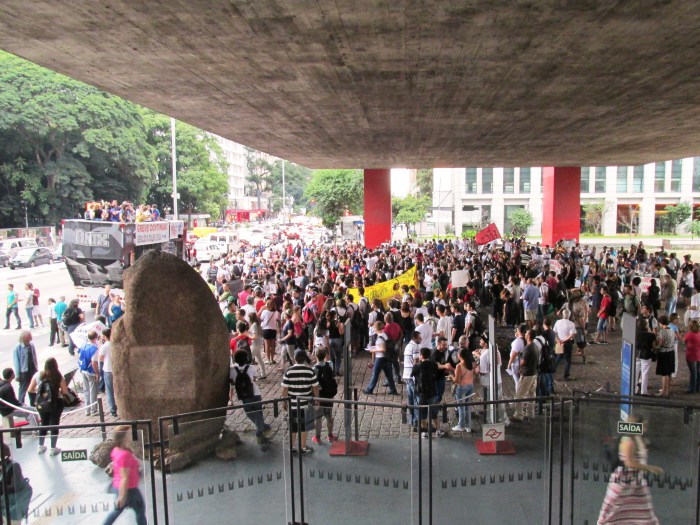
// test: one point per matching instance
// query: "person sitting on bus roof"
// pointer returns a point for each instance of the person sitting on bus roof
(114, 211)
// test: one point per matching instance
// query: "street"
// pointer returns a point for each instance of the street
(52, 281)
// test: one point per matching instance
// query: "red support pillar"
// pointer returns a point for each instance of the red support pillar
(561, 202)
(377, 207)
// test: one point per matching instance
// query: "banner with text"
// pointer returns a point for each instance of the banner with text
(488, 234)
(385, 291)
(151, 233)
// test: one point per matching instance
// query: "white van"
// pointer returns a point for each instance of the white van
(207, 250)
(227, 241)
(12, 246)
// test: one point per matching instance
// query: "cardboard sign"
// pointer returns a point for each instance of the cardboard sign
(151, 233)
(555, 266)
(459, 278)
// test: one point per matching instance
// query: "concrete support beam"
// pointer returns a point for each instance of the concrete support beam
(561, 204)
(377, 207)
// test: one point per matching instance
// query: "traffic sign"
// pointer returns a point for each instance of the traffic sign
(626, 427)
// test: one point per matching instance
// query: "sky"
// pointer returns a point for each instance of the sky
(399, 182)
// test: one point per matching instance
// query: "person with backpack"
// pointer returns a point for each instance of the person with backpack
(89, 365)
(243, 377)
(125, 478)
(336, 330)
(328, 388)
(242, 341)
(50, 387)
(565, 332)
(19, 490)
(299, 381)
(527, 384)
(424, 376)
(71, 319)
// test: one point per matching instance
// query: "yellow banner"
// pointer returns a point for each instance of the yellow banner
(385, 291)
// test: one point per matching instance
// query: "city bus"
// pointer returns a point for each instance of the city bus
(96, 253)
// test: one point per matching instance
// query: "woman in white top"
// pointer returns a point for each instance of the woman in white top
(269, 320)
(516, 348)
(321, 335)
(256, 346)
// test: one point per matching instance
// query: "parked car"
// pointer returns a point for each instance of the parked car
(13, 246)
(57, 253)
(30, 257)
(4, 259)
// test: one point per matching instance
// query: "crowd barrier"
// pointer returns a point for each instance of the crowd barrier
(210, 465)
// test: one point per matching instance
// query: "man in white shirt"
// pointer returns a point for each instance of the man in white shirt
(411, 354)
(565, 331)
(444, 325)
(425, 330)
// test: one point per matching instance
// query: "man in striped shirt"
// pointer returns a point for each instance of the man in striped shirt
(299, 380)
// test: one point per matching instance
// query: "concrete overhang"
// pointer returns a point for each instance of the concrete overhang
(369, 83)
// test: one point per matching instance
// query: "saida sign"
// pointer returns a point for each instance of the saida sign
(626, 427)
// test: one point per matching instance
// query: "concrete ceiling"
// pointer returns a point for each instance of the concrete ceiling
(389, 83)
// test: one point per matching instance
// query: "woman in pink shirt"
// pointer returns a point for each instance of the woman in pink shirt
(692, 355)
(125, 471)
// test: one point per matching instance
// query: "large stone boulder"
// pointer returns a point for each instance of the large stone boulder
(170, 349)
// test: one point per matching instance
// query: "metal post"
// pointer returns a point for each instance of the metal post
(26, 217)
(174, 166)
(347, 373)
(284, 195)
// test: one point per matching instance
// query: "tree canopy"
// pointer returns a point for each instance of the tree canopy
(296, 178)
(521, 221)
(64, 143)
(409, 210)
(331, 192)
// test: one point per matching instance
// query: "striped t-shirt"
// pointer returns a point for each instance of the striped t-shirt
(299, 381)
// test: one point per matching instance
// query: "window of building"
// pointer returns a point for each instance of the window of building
(525, 180)
(696, 174)
(660, 177)
(676, 171)
(622, 179)
(599, 180)
(585, 180)
(508, 180)
(470, 180)
(638, 179)
(486, 180)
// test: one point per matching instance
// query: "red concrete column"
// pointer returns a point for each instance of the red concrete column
(561, 218)
(377, 207)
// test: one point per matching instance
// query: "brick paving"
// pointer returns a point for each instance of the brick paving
(600, 373)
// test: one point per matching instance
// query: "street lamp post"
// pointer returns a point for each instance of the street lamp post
(284, 195)
(174, 166)
(26, 216)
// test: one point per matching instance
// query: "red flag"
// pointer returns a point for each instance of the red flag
(488, 234)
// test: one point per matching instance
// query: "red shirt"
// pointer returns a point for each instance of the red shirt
(692, 346)
(392, 331)
(604, 304)
(234, 342)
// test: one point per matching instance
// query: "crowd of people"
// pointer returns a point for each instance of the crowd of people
(124, 212)
(557, 300)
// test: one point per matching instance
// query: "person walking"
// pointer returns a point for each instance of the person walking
(125, 478)
(25, 363)
(627, 498)
(381, 363)
(88, 363)
(12, 307)
(50, 387)
(528, 379)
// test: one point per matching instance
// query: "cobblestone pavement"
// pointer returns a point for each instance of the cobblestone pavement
(600, 373)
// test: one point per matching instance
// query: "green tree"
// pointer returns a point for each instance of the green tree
(675, 216)
(202, 179)
(259, 173)
(296, 178)
(331, 192)
(521, 219)
(63, 143)
(409, 210)
(693, 228)
(424, 181)
(594, 212)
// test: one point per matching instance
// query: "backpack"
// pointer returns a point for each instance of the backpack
(357, 321)
(243, 384)
(244, 344)
(545, 365)
(35, 297)
(308, 316)
(390, 352)
(477, 324)
(425, 386)
(22, 494)
(326, 382)
(44, 396)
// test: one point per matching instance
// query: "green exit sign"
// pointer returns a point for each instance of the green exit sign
(625, 427)
(74, 455)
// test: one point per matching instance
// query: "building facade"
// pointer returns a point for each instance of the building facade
(633, 198)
